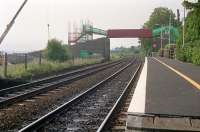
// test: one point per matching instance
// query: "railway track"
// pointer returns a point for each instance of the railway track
(89, 109)
(19, 93)
(117, 117)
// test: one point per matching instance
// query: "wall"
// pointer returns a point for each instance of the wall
(99, 46)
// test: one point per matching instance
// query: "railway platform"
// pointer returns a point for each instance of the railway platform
(166, 97)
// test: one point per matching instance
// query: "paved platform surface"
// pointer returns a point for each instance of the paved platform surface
(191, 70)
(170, 98)
(169, 93)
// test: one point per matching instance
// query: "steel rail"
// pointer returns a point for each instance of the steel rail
(52, 78)
(40, 123)
(54, 85)
(116, 108)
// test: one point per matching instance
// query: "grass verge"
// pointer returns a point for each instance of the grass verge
(18, 71)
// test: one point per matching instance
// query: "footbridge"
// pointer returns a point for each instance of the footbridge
(83, 41)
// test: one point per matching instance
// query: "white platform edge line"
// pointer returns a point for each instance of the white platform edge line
(138, 101)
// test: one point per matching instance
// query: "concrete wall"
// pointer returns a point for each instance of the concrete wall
(99, 46)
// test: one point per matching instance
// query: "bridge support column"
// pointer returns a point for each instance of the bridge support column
(107, 49)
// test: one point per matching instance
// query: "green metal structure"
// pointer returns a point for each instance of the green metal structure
(85, 54)
(89, 29)
(174, 33)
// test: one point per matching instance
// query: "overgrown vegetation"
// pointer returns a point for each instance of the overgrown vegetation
(190, 52)
(34, 69)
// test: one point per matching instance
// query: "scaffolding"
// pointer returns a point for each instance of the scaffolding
(84, 33)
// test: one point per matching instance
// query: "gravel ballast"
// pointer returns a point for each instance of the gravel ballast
(21, 114)
(88, 114)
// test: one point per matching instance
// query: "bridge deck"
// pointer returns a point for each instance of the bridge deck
(172, 88)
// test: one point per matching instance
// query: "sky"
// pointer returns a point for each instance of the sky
(30, 32)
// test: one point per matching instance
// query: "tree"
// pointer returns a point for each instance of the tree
(56, 51)
(191, 5)
(159, 17)
(192, 21)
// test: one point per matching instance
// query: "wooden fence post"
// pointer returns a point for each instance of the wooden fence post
(40, 59)
(73, 60)
(5, 64)
(25, 62)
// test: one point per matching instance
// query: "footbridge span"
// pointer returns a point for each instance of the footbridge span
(84, 41)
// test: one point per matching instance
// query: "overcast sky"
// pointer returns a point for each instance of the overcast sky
(30, 30)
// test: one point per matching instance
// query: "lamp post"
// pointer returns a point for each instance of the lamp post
(48, 26)
(170, 18)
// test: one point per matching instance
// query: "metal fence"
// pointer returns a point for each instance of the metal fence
(23, 61)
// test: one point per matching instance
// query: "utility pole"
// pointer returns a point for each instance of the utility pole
(170, 18)
(161, 38)
(48, 26)
(9, 26)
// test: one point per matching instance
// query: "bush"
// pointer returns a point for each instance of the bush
(180, 55)
(188, 53)
(196, 56)
(56, 51)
